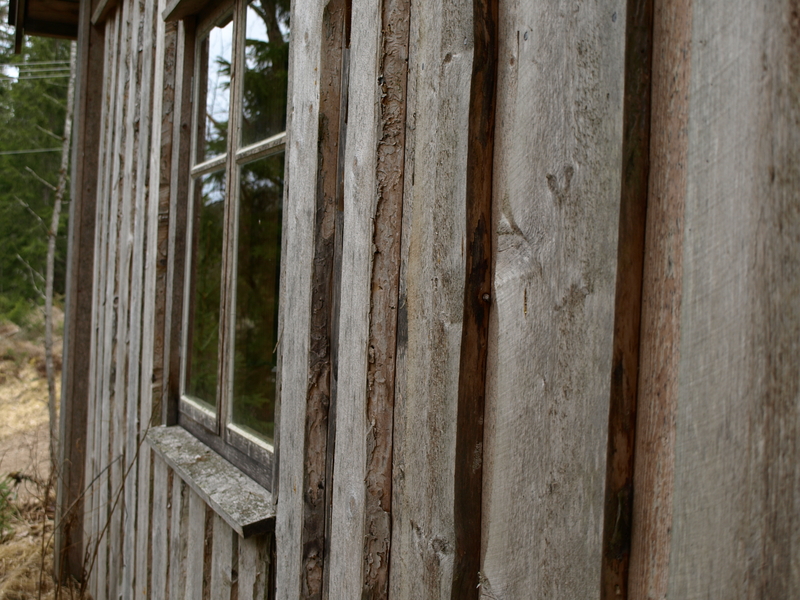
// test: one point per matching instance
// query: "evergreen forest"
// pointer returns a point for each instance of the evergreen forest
(33, 91)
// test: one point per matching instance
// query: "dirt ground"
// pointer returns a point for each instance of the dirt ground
(26, 558)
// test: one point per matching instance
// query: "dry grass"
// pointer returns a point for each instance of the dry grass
(26, 553)
(26, 544)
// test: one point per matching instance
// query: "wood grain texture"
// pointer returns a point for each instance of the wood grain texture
(316, 477)
(74, 431)
(155, 586)
(558, 151)
(178, 540)
(627, 313)
(431, 301)
(737, 476)
(477, 302)
(347, 533)
(196, 536)
(254, 566)
(98, 458)
(296, 281)
(223, 555)
(661, 302)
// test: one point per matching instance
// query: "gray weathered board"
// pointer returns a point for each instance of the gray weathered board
(556, 198)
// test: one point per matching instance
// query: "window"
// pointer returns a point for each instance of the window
(228, 374)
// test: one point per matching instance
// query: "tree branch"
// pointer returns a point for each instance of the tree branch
(43, 181)
(30, 210)
(50, 133)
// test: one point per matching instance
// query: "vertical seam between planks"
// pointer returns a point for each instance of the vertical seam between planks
(477, 303)
(618, 505)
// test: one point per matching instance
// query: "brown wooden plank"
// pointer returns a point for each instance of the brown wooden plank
(315, 474)
(627, 313)
(432, 291)
(477, 302)
(75, 432)
(661, 302)
(558, 158)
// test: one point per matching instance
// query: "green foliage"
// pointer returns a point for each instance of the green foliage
(32, 111)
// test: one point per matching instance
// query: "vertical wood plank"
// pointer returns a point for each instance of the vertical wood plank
(176, 234)
(195, 546)
(373, 162)
(348, 499)
(156, 586)
(223, 554)
(75, 432)
(627, 312)
(148, 192)
(108, 517)
(178, 539)
(556, 217)
(737, 476)
(254, 568)
(431, 300)
(661, 302)
(316, 476)
(94, 474)
(123, 487)
(296, 283)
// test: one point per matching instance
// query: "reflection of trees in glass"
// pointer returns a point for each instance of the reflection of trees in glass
(266, 74)
(215, 72)
(201, 380)
(259, 247)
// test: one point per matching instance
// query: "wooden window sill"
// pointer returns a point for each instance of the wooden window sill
(243, 504)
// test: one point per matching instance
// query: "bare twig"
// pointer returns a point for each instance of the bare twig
(34, 275)
(30, 210)
(50, 133)
(41, 179)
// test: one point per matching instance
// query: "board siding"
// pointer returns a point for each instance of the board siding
(735, 498)
(431, 304)
(558, 148)
(296, 281)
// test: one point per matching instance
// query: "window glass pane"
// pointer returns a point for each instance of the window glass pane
(215, 80)
(206, 281)
(258, 267)
(266, 70)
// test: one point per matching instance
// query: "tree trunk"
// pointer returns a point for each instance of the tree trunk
(51, 253)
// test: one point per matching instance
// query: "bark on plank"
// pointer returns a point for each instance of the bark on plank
(661, 302)
(627, 314)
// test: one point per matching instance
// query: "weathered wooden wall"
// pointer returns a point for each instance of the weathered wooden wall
(146, 534)
(482, 198)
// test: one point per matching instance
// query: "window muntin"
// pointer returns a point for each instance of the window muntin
(237, 191)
